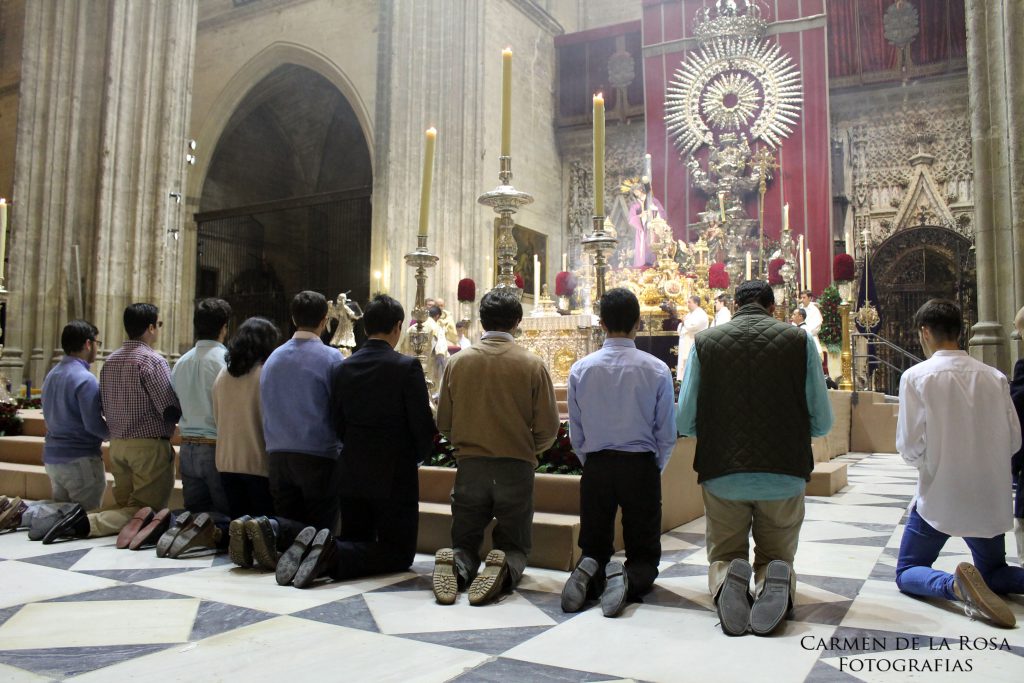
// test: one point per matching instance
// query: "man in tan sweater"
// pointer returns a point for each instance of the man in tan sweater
(497, 407)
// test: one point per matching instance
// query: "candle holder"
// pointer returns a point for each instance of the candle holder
(846, 356)
(546, 307)
(506, 200)
(5, 396)
(597, 243)
(419, 338)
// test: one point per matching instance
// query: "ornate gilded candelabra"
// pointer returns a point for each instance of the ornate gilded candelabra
(598, 242)
(506, 200)
(421, 259)
(787, 271)
(846, 357)
(5, 396)
(867, 315)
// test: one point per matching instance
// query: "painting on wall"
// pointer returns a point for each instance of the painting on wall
(528, 243)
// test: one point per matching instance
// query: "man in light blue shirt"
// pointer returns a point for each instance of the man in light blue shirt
(192, 379)
(621, 425)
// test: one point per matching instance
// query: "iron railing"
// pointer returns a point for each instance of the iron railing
(878, 364)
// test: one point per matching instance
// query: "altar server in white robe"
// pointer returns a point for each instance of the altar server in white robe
(693, 322)
(722, 312)
(814, 317)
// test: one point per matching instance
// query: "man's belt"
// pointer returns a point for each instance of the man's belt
(198, 440)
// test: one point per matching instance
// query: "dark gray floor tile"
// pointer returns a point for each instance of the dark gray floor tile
(416, 583)
(683, 569)
(823, 672)
(215, 617)
(352, 612)
(830, 613)
(62, 662)
(848, 588)
(58, 560)
(137, 575)
(549, 603)
(127, 592)
(488, 641)
(502, 670)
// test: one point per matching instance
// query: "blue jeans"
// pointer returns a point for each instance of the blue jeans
(201, 486)
(920, 547)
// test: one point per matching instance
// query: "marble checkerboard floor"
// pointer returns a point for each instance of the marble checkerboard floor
(84, 611)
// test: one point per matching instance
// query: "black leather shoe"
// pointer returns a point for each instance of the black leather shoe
(72, 524)
(577, 586)
(264, 542)
(288, 564)
(733, 601)
(239, 543)
(317, 561)
(180, 523)
(613, 599)
(772, 604)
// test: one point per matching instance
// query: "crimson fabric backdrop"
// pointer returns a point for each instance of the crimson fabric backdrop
(804, 175)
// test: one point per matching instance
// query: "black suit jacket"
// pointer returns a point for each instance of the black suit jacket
(382, 414)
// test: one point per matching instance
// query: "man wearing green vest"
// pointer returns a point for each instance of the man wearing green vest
(754, 395)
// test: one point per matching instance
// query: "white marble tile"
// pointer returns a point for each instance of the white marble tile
(836, 559)
(651, 643)
(671, 544)
(74, 624)
(259, 590)
(853, 513)
(16, 546)
(881, 606)
(994, 666)
(10, 674)
(547, 580)
(23, 582)
(858, 496)
(292, 649)
(817, 530)
(109, 557)
(907, 489)
(694, 527)
(695, 589)
(418, 612)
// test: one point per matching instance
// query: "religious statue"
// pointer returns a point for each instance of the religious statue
(346, 313)
(643, 208)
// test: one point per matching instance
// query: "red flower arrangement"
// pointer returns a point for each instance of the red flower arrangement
(842, 268)
(717, 277)
(520, 283)
(565, 283)
(774, 276)
(467, 290)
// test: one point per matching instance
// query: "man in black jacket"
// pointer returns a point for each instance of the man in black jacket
(382, 416)
(754, 395)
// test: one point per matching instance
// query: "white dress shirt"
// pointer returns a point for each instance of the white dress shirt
(693, 322)
(723, 316)
(958, 427)
(814, 321)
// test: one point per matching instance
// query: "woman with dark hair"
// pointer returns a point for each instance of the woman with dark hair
(241, 451)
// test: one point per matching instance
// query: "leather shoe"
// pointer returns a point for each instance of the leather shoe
(733, 601)
(133, 527)
(317, 561)
(151, 533)
(264, 542)
(613, 599)
(489, 583)
(289, 562)
(73, 524)
(43, 518)
(239, 543)
(772, 604)
(443, 581)
(10, 517)
(202, 534)
(180, 523)
(577, 586)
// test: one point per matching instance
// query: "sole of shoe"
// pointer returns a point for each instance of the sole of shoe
(14, 509)
(180, 523)
(239, 544)
(489, 583)
(613, 599)
(733, 602)
(60, 528)
(313, 564)
(288, 563)
(574, 593)
(988, 603)
(186, 539)
(133, 527)
(771, 606)
(264, 551)
(443, 581)
(151, 533)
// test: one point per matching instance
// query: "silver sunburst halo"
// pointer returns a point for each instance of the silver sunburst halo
(732, 100)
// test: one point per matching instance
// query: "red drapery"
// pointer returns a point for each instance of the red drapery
(804, 175)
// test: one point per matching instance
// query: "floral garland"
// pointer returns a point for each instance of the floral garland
(831, 325)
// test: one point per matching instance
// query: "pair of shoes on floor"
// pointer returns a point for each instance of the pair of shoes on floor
(978, 599)
(308, 558)
(144, 529)
(252, 539)
(737, 612)
(187, 533)
(44, 515)
(484, 588)
(11, 510)
(72, 524)
(582, 585)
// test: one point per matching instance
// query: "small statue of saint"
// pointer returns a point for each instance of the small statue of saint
(346, 313)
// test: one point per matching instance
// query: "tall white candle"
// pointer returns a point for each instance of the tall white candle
(3, 235)
(800, 256)
(807, 260)
(785, 216)
(748, 266)
(536, 279)
(565, 262)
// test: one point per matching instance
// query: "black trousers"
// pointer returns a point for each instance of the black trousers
(248, 494)
(378, 536)
(305, 489)
(632, 481)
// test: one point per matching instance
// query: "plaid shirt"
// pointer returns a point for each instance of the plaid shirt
(138, 401)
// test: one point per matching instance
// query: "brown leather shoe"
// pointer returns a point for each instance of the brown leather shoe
(133, 527)
(154, 529)
(978, 598)
(180, 523)
(10, 516)
(444, 582)
(203, 534)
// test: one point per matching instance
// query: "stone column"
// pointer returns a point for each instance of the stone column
(994, 60)
(106, 92)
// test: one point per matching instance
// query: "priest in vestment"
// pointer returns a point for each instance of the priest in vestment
(814, 318)
(436, 351)
(693, 322)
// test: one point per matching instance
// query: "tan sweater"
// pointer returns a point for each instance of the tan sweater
(497, 400)
(239, 418)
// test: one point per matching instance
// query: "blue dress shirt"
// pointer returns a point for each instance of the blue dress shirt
(192, 378)
(75, 427)
(620, 398)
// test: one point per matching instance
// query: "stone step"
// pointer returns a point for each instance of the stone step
(561, 392)
(31, 483)
(28, 450)
(827, 478)
(33, 424)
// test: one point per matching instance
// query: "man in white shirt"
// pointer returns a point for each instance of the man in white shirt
(693, 322)
(958, 427)
(722, 312)
(813, 317)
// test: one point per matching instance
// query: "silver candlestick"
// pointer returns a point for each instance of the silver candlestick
(419, 338)
(597, 243)
(506, 200)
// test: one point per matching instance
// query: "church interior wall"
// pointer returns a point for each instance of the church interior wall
(12, 21)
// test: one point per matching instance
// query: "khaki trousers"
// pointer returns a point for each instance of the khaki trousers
(143, 472)
(776, 528)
